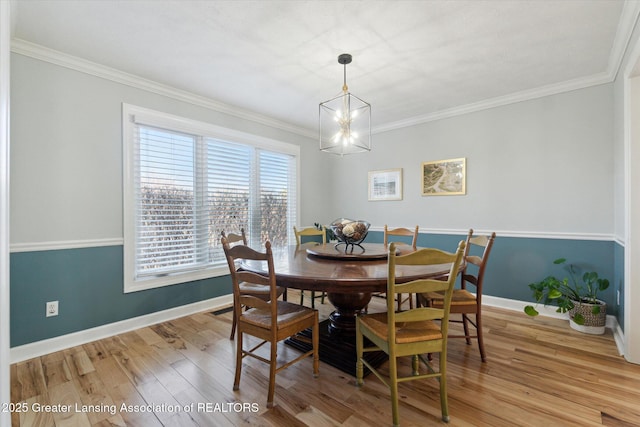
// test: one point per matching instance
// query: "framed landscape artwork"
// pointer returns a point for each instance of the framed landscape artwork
(444, 177)
(385, 185)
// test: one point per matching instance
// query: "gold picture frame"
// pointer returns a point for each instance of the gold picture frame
(444, 177)
(385, 185)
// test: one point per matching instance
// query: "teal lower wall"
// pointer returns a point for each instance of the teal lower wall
(516, 261)
(88, 282)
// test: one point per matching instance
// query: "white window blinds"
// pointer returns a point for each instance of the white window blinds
(276, 208)
(230, 179)
(188, 187)
(167, 207)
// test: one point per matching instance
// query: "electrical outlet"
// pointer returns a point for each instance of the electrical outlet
(52, 308)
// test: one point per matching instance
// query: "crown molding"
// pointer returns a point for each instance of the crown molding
(628, 19)
(32, 50)
(626, 24)
(525, 95)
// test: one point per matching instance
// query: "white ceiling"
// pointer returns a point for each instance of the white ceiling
(412, 60)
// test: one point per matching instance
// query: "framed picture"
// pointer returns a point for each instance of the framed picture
(385, 185)
(444, 177)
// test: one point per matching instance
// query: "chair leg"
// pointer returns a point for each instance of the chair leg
(324, 294)
(301, 297)
(443, 387)
(233, 323)
(465, 323)
(359, 353)
(313, 299)
(393, 386)
(315, 339)
(483, 356)
(236, 381)
(272, 374)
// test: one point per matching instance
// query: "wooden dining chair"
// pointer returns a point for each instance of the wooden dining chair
(413, 332)
(310, 232)
(403, 232)
(468, 299)
(270, 321)
(234, 238)
(400, 236)
(259, 291)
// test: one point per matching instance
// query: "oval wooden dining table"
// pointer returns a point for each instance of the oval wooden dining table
(349, 278)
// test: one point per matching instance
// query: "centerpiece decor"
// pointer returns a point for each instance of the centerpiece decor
(349, 232)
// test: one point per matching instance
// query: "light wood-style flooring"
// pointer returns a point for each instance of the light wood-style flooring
(539, 373)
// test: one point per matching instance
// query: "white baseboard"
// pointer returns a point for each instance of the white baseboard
(618, 335)
(39, 348)
(550, 311)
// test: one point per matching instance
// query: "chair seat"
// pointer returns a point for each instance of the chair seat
(405, 332)
(460, 297)
(288, 313)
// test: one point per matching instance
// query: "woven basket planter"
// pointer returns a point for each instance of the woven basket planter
(593, 323)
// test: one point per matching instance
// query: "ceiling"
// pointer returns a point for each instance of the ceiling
(414, 61)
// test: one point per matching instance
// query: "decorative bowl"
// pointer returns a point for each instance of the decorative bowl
(349, 231)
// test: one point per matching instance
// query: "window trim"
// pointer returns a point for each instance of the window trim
(133, 115)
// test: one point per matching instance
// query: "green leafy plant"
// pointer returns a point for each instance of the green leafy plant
(569, 291)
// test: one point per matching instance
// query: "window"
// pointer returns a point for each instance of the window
(185, 182)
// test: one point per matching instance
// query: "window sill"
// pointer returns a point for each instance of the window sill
(132, 285)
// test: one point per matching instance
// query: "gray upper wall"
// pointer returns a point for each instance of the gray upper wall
(66, 157)
(540, 166)
(544, 166)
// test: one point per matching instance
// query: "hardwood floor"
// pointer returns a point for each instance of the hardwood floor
(539, 372)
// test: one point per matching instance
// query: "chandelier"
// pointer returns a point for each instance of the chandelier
(345, 121)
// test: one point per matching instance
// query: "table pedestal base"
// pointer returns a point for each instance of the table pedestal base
(339, 349)
(338, 334)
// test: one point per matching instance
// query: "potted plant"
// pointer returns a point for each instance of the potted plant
(330, 235)
(577, 297)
